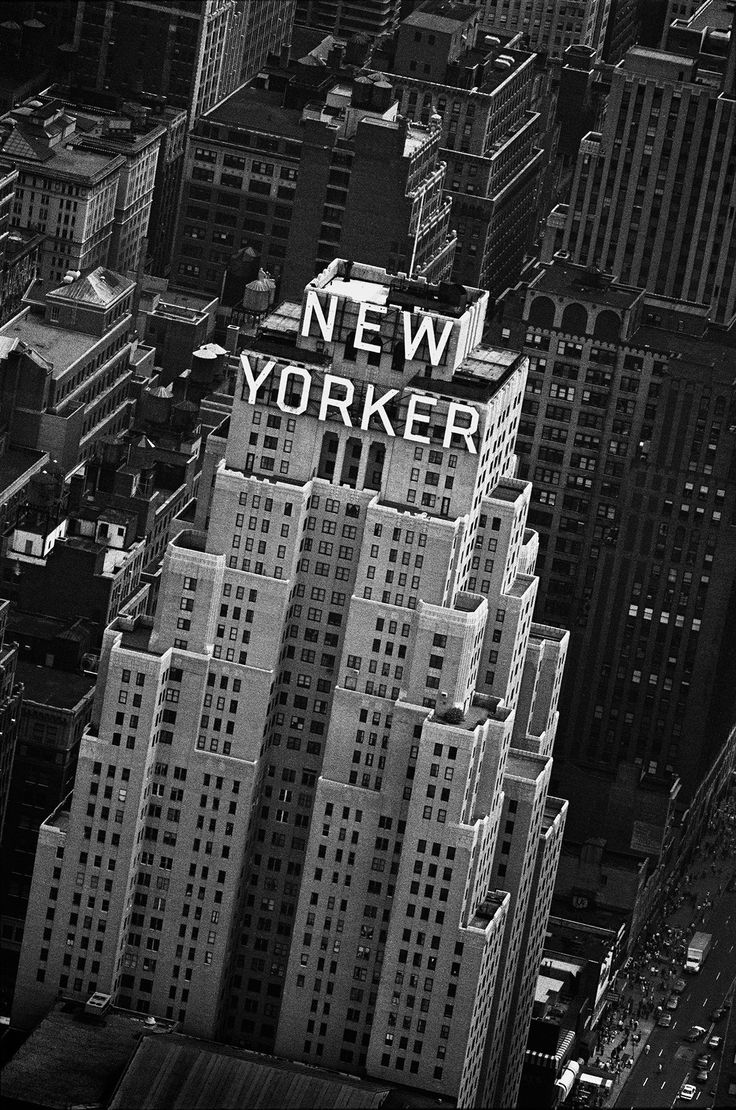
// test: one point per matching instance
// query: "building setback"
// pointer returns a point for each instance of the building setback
(311, 810)
(299, 185)
(627, 435)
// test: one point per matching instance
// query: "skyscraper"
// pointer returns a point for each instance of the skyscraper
(346, 173)
(481, 90)
(193, 54)
(312, 808)
(627, 433)
(654, 193)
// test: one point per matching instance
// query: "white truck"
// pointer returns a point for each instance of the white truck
(697, 950)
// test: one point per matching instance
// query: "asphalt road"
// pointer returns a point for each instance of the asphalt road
(705, 991)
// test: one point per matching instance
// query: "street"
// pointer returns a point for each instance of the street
(647, 1085)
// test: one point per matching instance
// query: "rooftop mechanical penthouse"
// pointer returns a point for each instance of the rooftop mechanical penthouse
(311, 814)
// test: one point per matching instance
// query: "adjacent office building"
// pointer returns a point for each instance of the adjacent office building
(311, 810)
(346, 173)
(55, 709)
(195, 55)
(628, 436)
(654, 193)
(481, 89)
(346, 18)
(549, 28)
(64, 192)
(65, 367)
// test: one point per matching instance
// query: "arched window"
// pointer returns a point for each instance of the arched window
(541, 313)
(574, 320)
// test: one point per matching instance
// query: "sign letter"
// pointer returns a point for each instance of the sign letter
(254, 384)
(426, 327)
(314, 306)
(306, 379)
(413, 417)
(328, 401)
(364, 325)
(453, 428)
(375, 408)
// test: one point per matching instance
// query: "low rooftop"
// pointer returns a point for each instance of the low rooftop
(256, 109)
(58, 346)
(591, 285)
(180, 1071)
(47, 686)
(16, 465)
(39, 1074)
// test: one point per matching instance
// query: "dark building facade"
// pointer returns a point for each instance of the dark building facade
(345, 18)
(481, 89)
(193, 54)
(627, 434)
(10, 700)
(299, 185)
(56, 707)
(654, 193)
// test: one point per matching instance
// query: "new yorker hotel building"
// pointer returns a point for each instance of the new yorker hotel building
(311, 813)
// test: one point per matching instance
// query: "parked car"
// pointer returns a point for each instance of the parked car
(665, 1020)
(702, 1061)
(687, 1092)
(679, 986)
(717, 1014)
(694, 1033)
(715, 1041)
(701, 1076)
(673, 1002)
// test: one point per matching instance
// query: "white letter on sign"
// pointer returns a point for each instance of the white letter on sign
(375, 408)
(328, 401)
(454, 429)
(368, 325)
(306, 378)
(254, 384)
(426, 326)
(414, 417)
(314, 305)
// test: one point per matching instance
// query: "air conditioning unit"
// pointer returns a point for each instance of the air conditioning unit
(98, 1004)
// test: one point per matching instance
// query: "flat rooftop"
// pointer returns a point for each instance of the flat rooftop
(60, 347)
(48, 686)
(716, 15)
(175, 1071)
(18, 462)
(562, 279)
(257, 110)
(40, 1074)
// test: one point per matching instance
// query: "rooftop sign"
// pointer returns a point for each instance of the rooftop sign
(336, 395)
(314, 310)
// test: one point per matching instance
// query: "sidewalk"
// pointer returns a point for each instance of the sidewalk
(658, 960)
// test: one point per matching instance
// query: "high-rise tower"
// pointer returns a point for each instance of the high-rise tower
(312, 809)
(193, 54)
(654, 193)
